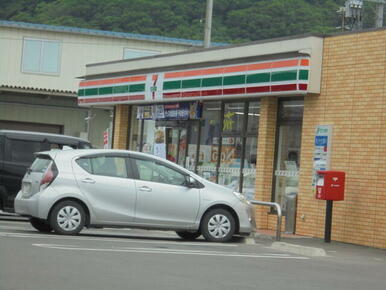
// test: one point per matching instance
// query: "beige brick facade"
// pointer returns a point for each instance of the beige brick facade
(121, 124)
(353, 101)
(265, 157)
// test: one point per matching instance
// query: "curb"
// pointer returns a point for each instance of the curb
(300, 250)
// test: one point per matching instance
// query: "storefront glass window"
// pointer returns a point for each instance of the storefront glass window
(135, 130)
(148, 138)
(209, 140)
(192, 138)
(249, 171)
(288, 150)
(221, 146)
(232, 145)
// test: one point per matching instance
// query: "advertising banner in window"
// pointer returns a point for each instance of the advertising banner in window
(170, 111)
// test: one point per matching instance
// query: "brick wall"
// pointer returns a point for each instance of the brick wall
(121, 124)
(353, 100)
(265, 157)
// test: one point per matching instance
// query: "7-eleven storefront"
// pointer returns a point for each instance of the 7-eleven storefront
(233, 115)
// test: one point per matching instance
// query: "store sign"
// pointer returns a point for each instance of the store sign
(270, 77)
(170, 111)
(322, 149)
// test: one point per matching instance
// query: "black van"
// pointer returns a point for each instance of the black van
(17, 150)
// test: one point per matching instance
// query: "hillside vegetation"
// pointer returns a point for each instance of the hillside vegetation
(233, 20)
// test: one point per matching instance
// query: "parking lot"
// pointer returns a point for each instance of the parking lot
(138, 259)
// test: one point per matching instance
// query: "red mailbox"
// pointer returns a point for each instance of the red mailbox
(330, 185)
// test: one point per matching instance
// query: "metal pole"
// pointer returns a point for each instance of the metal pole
(379, 15)
(328, 222)
(208, 23)
(278, 211)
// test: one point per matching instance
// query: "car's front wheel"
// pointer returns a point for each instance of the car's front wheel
(41, 225)
(185, 235)
(218, 225)
(67, 218)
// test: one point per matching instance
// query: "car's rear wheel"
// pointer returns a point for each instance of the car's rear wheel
(218, 225)
(41, 225)
(185, 235)
(67, 218)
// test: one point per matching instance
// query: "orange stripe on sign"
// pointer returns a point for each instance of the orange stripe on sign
(236, 68)
(257, 66)
(285, 63)
(130, 79)
(112, 81)
(305, 62)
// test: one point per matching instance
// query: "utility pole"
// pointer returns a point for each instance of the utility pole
(353, 12)
(208, 23)
(378, 12)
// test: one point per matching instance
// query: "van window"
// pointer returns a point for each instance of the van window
(22, 151)
(2, 139)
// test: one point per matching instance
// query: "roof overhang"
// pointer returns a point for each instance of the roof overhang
(168, 77)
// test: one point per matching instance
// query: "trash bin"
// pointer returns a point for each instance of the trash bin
(290, 200)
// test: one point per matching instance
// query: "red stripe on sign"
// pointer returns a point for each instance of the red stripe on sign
(263, 89)
(112, 99)
(236, 91)
(191, 94)
(279, 88)
(172, 95)
(211, 93)
(303, 87)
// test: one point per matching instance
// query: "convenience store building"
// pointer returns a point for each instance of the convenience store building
(247, 116)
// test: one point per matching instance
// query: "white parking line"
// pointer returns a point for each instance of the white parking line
(170, 251)
(123, 239)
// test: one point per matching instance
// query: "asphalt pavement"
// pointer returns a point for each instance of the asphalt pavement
(138, 259)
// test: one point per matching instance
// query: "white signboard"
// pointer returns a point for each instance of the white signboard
(322, 149)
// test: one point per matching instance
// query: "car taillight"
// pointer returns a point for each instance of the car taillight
(49, 176)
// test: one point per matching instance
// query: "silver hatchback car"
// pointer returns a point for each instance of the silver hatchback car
(67, 190)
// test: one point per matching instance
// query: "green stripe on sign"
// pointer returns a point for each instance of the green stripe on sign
(91, 92)
(172, 85)
(121, 89)
(258, 78)
(212, 82)
(303, 75)
(284, 76)
(234, 80)
(195, 83)
(137, 88)
(81, 92)
(105, 91)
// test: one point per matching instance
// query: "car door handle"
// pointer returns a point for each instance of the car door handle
(88, 180)
(145, 188)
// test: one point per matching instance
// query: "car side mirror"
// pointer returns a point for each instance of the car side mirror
(190, 181)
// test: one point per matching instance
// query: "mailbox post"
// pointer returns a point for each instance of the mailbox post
(329, 186)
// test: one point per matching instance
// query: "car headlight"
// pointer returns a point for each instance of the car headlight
(241, 197)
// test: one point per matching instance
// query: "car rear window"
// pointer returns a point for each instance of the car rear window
(40, 164)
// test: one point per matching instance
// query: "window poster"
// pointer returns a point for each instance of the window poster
(160, 142)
